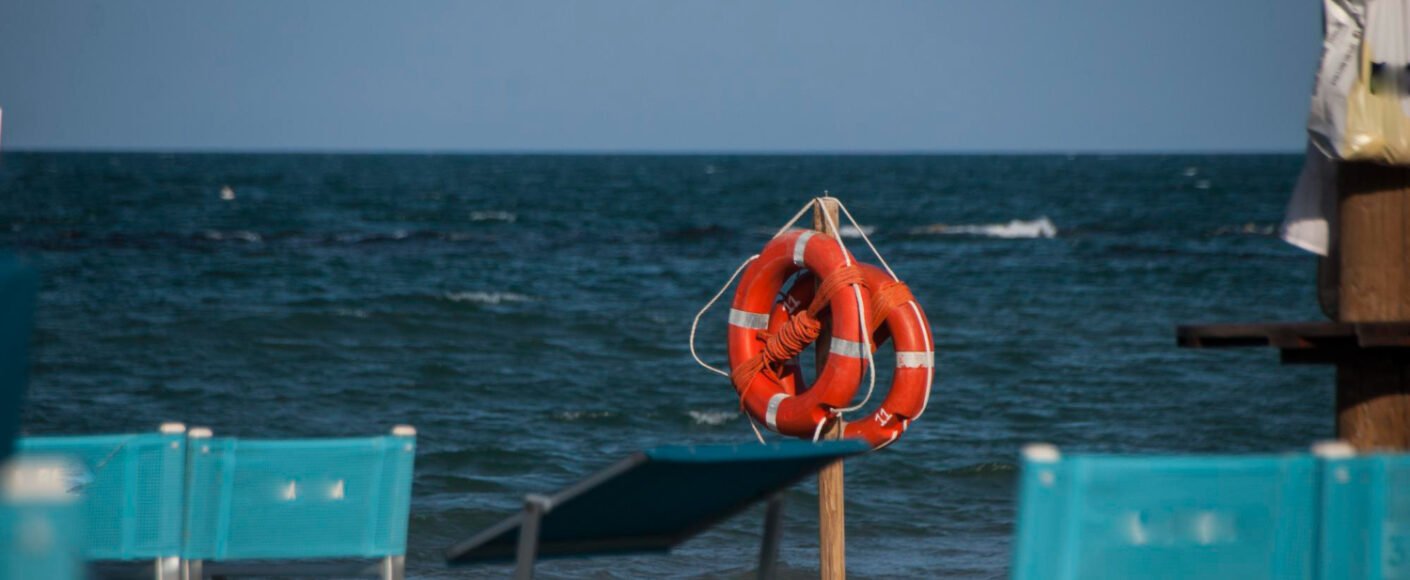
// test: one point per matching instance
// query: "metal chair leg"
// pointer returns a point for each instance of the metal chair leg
(773, 531)
(192, 570)
(167, 568)
(394, 568)
(534, 508)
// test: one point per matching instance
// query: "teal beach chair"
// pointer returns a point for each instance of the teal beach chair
(1237, 518)
(1365, 530)
(41, 524)
(131, 488)
(18, 287)
(254, 506)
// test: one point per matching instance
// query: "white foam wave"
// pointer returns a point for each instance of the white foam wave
(712, 417)
(1248, 229)
(242, 235)
(493, 216)
(1039, 228)
(851, 231)
(580, 415)
(487, 297)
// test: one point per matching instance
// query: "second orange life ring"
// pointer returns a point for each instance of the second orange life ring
(893, 315)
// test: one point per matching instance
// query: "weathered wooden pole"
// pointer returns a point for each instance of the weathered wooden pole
(832, 529)
(1373, 386)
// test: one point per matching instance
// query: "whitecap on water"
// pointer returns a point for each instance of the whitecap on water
(242, 235)
(849, 231)
(1039, 228)
(487, 297)
(1248, 229)
(712, 417)
(580, 415)
(493, 216)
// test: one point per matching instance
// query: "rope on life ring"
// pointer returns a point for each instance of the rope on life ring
(766, 337)
(756, 353)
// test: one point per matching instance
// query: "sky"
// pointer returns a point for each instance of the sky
(658, 75)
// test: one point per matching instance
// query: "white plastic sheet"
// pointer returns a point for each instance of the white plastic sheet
(1361, 103)
(1311, 214)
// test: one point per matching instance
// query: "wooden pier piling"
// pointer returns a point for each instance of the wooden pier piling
(1373, 236)
(1370, 340)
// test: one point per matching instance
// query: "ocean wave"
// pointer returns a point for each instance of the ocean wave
(1248, 229)
(850, 231)
(1039, 228)
(985, 469)
(362, 238)
(352, 312)
(582, 415)
(487, 297)
(236, 235)
(493, 216)
(712, 418)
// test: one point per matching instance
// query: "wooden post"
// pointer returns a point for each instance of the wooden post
(832, 529)
(1373, 237)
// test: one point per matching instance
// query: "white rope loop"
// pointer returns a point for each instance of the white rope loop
(696, 324)
(863, 232)
(861, 310)
(915, 309)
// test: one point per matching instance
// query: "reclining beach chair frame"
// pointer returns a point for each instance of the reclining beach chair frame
(653, 500)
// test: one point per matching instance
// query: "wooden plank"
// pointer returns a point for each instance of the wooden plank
(1296, 335)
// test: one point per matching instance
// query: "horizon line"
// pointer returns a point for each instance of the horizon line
(1133, 152)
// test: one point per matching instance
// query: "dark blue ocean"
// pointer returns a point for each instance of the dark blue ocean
(529, 315)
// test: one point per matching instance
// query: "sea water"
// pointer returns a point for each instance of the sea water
(529, 315)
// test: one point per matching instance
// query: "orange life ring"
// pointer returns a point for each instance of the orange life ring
(895, 315)
(757, 355)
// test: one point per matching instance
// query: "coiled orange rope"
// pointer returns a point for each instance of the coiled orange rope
(801, 330)
(885, 299)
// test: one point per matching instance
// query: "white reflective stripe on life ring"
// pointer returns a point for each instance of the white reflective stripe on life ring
(845, 347)
(771, 417)
(916, 359)
(745, 319)
(800, 246)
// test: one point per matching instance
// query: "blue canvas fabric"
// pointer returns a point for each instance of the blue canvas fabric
(309, 498)
(656, 499)
(1240, 518)
(131, 487)
(18, 286)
